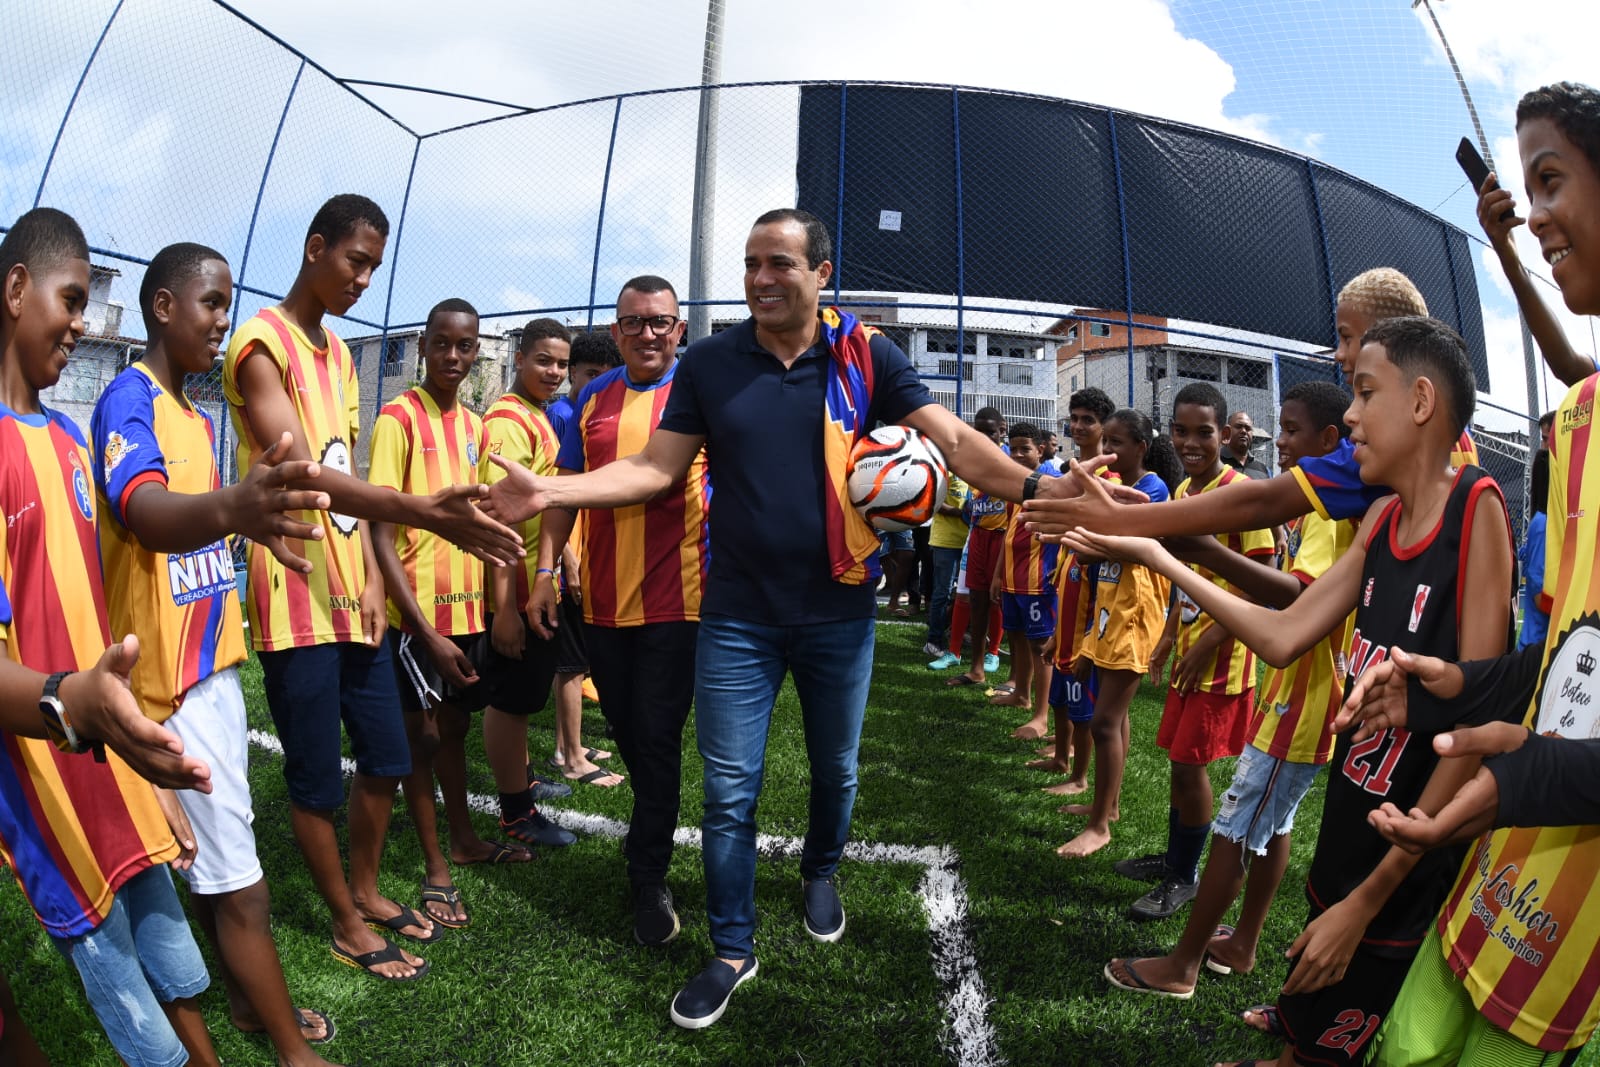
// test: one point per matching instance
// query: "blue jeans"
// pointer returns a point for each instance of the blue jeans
(946, 561)
(739, 667)
(140, 957)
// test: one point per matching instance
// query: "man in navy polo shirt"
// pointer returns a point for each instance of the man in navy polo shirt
(772, 604)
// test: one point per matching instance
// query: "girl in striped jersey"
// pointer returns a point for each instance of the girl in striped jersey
(1129, 605)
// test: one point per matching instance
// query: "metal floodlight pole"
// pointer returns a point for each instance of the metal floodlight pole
(703, 220)
(1530, 361)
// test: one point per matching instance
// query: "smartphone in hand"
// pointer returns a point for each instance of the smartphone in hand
(1476, 170)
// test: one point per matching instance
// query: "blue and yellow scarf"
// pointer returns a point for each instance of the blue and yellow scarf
(852, 543)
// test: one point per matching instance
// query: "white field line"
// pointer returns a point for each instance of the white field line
(968, 1036)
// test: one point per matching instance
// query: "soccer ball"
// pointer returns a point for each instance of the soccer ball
(897, 478)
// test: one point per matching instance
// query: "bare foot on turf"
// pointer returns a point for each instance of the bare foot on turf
(1028, 731)
(1086, 843)
(1051, 764)
(965, 679)
(1221, 949)
(1257, 1019)
(1158, 972)
(1070, 788)
(1046, 750)
(1006, 698)
(1087, 809)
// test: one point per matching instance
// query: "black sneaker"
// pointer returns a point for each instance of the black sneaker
(654, 921)
(535, 829)
(1151, 868)
(824, 910)
(705, 998)
(1164, 900)
(544, 788)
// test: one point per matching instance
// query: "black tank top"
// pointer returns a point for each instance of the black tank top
(1411, 597)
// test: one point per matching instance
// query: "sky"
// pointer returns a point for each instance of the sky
(1359, 84)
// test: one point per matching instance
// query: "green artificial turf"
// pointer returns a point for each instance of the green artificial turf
(548, 971)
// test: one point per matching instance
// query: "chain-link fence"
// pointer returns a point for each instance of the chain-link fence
(1017, 247)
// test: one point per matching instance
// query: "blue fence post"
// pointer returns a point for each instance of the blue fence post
(961, 261)
(1127, 259)
(838, 221)
(600, 223)
(394, 264)
(44, 175)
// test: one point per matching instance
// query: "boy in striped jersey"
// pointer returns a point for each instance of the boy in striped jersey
(1027, 604)
(319, 633)
(424, 440)
(1510, 973)
(1213, 679)
(169, 576)
(1440, 542)
(1291, 733)
(522, 661)
(85, 836)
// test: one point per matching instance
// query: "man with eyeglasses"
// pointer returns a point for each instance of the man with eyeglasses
(642, 568)
(813, 380)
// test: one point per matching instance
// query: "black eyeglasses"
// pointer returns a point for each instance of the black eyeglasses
(633, 325)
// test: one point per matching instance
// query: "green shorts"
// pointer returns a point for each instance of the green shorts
(1434, 1022)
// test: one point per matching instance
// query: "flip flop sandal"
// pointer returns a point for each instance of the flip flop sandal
(1273, 1021)
(1139, 985)
(1212, 965)
(397, 924)
(502, 853)
(305, 1018)
(366, 961)
(450, 897)
(597, 774)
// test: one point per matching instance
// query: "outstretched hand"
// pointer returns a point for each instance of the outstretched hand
(266, 507)
(455, 515)
(103, 709)
(517, 497)
(1078, 498)
(1377, 698)
(1143, 550)
(1471, 811)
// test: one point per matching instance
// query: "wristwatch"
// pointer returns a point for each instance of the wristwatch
(56, 720)
(1030, 485)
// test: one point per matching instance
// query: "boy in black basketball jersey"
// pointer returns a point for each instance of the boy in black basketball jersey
(1443, 539)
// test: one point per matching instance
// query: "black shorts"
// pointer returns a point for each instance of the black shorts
(519, 686)
(1334, 1027)
(419, 681)
(572, 654)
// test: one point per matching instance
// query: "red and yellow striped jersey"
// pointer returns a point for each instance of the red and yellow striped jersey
(289, 609)
(418, 449)
(1521, 927)
(1074, 606)
(1130, 604)
(181, 604)
(645, 563)
(73, 830)
(516, 429)
(1232, 668)
(1465, 452)
(1026, 562)
(1295, 710)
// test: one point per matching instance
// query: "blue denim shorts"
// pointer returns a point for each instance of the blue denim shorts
(1262, 798)
(140, 957)
(310, 691)
(894, 541)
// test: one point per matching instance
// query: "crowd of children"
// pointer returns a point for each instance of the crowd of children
(1449, 915)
